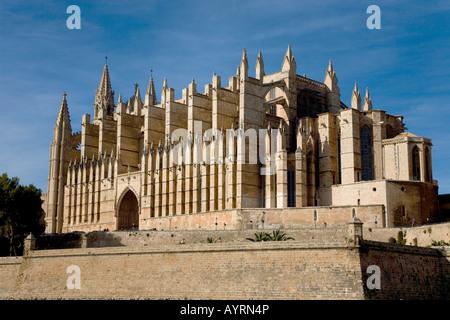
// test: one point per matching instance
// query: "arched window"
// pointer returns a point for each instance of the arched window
(416, 163)
(291, 186)
(427, 165)
(366, 153)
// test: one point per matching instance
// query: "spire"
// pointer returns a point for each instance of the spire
(63, 119)
(289, 62)
(259, 67)
(367, 101)
(104, 96)
(63, 114)
(356, 98)
(105, 82)
(150, 96)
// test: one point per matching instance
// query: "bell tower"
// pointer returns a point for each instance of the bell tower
(59, 162)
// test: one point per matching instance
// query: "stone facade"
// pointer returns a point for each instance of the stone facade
(277, 140)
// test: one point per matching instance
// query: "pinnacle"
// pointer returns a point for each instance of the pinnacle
(63, 115)
(151, 92)
(244, 55)
(105, 84)
(289, 53)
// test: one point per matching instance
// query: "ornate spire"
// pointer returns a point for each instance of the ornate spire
(150, 96)
(63, 119)
(104, 96)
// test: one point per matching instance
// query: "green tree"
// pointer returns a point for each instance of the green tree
(20, 212)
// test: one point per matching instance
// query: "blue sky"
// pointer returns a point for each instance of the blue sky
(405, 64)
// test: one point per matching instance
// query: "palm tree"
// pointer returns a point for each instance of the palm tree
(276, 235)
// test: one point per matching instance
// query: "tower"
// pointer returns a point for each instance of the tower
(60, 150)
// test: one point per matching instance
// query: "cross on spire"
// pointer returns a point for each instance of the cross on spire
(106, 60)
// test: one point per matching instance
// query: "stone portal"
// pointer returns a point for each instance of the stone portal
(128, 214)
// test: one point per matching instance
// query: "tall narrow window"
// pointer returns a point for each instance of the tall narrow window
(291, 187)
(366, 153)
(339, 158)
(416, 163)
(200, 195)
(427, 165)
(263, 190)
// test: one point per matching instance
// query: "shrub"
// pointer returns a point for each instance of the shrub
(439, 243)
(400, 237)
(392, 240)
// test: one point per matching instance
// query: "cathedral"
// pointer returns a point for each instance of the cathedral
(273, 146)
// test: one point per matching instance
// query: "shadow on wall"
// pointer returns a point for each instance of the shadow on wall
(399, 272)
(74, 240)
(97, 239)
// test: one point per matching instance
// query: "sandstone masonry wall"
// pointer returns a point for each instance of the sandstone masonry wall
(268, 270)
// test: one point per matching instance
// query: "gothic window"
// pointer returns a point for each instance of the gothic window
(427, 165)
(416, 163)
(366, 153)
(291, 187)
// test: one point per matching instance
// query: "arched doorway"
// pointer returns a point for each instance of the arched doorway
(128, 214)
